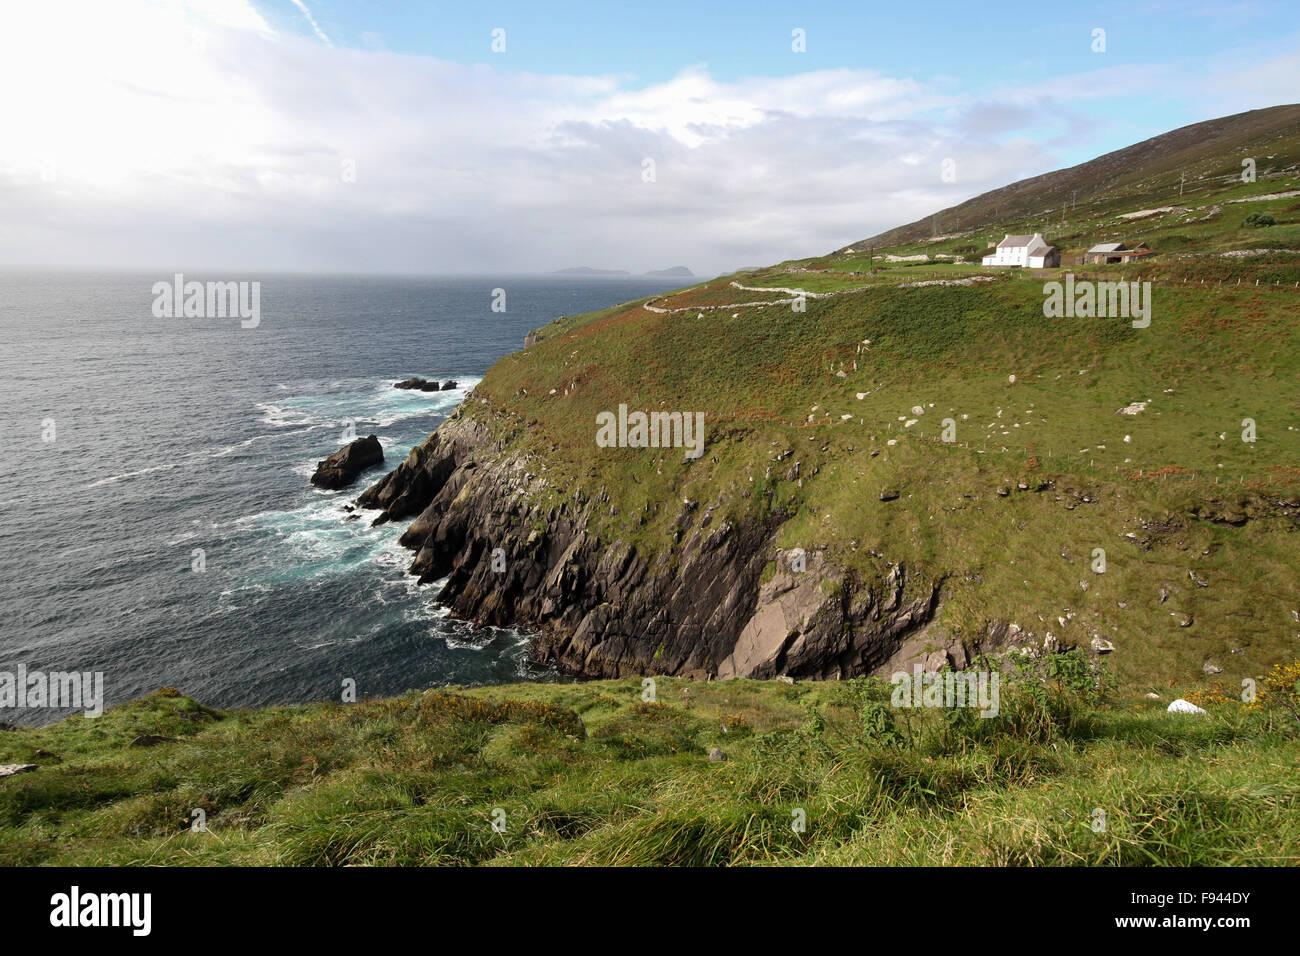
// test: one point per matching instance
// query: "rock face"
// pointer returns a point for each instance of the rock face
(425, 385)
(602, 608)
(342, 468)
(418, 384)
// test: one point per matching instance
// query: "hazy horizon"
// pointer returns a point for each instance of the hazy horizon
(165, 271)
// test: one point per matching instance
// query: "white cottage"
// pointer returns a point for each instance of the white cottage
(1031, 252)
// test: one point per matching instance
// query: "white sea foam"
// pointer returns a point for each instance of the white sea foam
(380, 403)
(231, 449)
(134, 474)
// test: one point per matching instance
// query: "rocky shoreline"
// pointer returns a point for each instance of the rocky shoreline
(603, 609)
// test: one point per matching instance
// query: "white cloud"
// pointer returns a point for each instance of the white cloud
(164, 133)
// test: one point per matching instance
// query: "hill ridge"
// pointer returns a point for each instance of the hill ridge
(1185, 147)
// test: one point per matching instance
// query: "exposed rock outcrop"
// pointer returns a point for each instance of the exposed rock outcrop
(604, 609)
(823, 623)
(425, 385)
(342, 468)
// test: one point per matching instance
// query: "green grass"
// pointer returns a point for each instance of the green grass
(1173, 500)
(591, 774)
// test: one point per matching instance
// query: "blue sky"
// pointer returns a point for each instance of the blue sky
(389, 136)
(976, 47)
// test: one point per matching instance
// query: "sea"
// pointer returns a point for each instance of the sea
(159, 526)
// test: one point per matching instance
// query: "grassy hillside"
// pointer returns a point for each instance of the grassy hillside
(818, 404)
(1043, 471)
(1189, 165)
(592, 774)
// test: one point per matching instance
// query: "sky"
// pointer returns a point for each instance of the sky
(362, 136)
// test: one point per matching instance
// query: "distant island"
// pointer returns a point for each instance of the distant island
(675, 272)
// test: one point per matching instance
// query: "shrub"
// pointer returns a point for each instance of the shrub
(877, 718)
(1278, 695)
(1259, 220)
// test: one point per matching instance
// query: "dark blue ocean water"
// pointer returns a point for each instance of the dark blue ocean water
(175, 434)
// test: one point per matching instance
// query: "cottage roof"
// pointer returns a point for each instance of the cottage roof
(1015, 242)
(1107, 247)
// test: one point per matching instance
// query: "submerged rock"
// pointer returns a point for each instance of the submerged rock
(342, 468)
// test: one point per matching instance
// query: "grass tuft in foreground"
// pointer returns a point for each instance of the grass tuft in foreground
(592, 774)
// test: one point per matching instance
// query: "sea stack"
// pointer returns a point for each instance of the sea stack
(342, 468)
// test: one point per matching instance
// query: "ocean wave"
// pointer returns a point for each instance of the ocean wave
(231, 449)
(380, 403)
(316, 543)
(135, 474)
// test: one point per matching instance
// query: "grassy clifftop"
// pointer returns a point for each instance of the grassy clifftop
(593, 774)
(807, 421)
